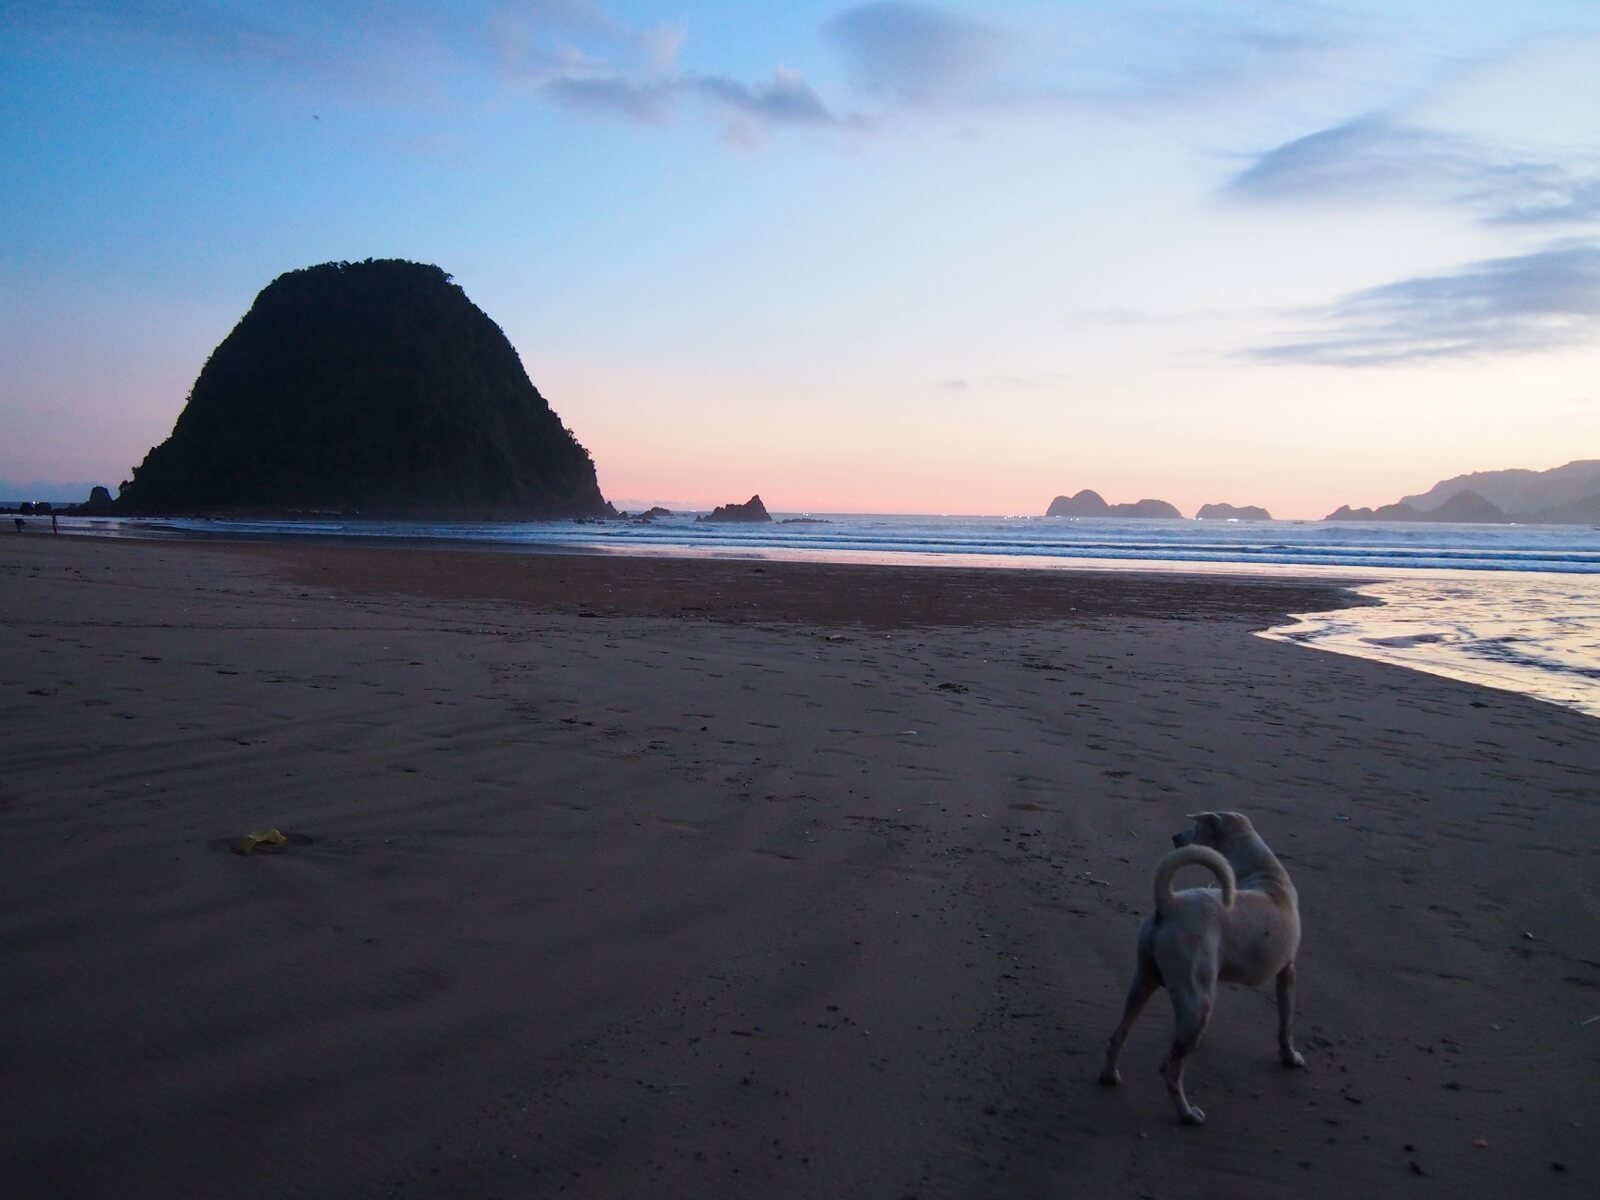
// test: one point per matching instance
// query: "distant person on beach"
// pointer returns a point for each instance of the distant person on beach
(54, 527)
(18, 521)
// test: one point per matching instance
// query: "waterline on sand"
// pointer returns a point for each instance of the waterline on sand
(1510, 607)
(1537, 634)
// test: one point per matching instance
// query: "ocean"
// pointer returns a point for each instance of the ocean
(1515, 607)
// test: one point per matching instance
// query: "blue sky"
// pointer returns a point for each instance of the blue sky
(891, 256)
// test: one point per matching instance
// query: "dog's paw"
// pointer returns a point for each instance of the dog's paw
(1293, 1059)
(1110, 1077)
(1193, 1115)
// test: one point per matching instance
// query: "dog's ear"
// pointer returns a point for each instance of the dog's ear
(1209, 819)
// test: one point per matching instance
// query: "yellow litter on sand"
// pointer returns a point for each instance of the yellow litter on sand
(261, 839)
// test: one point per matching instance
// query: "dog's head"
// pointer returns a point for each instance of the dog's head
(1214, 829)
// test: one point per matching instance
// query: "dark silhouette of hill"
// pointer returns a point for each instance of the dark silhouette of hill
(1579, 512)
(1461, 508)
(1568, 495)
(1088, 503)
(1232, 512)
(1518, 491)
(374, 387)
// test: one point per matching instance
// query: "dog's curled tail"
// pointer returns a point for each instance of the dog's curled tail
(1202, 856)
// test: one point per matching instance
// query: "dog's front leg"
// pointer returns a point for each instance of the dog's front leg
(1287, 1054)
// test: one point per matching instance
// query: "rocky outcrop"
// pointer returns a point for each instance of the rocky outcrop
(99, 503)
(1389, 512)
(1230, 512)
(374, 388)
(1090, 504)
(752, 510)
(1156, 509)
(1462, 508)
(1085, 504)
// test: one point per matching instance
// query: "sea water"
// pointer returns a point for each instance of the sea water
(1536, 633)
(1509, 606)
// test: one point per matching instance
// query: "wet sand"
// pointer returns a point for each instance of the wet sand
(622, 877)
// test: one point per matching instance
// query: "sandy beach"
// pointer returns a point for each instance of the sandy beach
(682, 878)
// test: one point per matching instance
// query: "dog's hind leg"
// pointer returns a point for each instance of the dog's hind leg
(1192, 1008)
(1287, 1054)
(1146, 979)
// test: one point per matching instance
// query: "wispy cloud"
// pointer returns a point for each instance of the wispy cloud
(1358, 155)
(1377, 157)
(612, 95)
(1566, 199)
(748, 110)
(573, 53)
(786, 100)
(564, 41)
(914, 52)
(1092, 57)
(1143, 56)
(1545, 300)
(905, 60)
(579, 56)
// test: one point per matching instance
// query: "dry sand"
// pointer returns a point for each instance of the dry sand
(788, 882)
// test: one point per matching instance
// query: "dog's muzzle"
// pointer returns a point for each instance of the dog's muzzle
(1184, 838)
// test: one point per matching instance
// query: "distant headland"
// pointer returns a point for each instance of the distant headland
(374, 389)
(1567, 495)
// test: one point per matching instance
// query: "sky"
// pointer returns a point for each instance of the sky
(885, 257)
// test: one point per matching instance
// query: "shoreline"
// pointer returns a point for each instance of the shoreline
(731, 902)
(751, 587)
(1528, 633)
(877, 595)
(962, 541)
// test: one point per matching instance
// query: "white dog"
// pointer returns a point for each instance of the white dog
(1246, 933)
